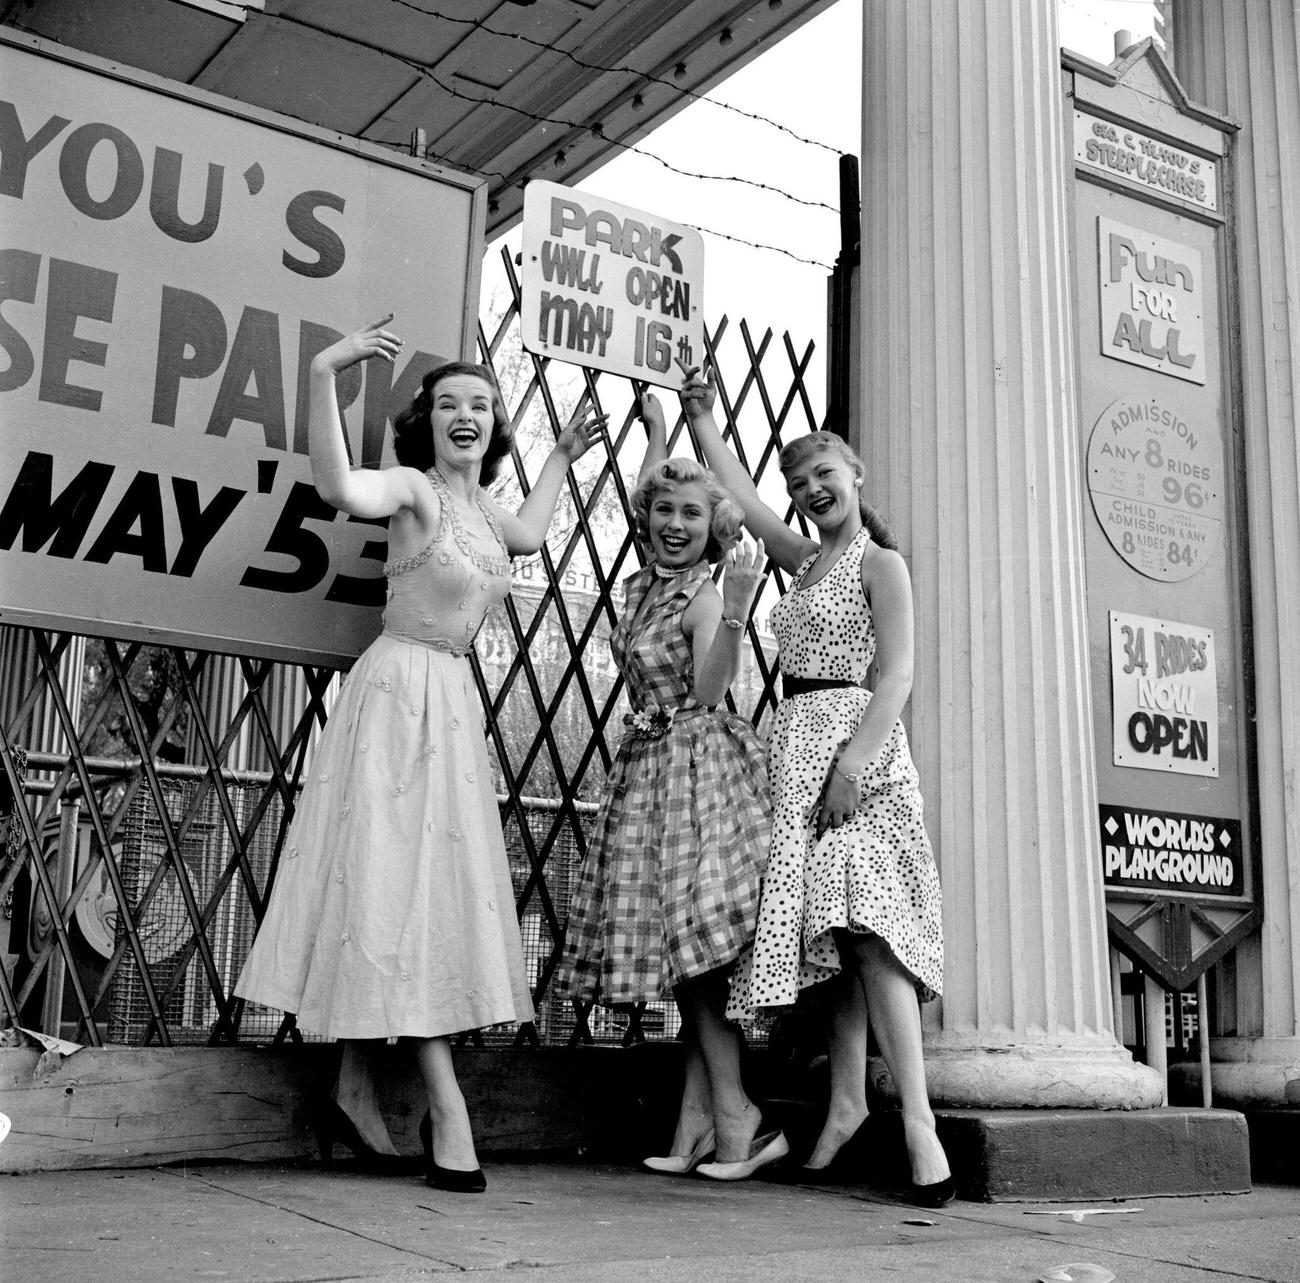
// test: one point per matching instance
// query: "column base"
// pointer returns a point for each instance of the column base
(1050, 1155)
(1274, 1145)
(1260, 1077)
(1245, 1073)
(1088, 1075)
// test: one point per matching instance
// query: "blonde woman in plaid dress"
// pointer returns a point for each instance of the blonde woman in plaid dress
(668, 893)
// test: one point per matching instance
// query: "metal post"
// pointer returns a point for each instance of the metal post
(1153, 1007)
(65, 875)
(842, 336)
(1203, 1034)
(1117, 993)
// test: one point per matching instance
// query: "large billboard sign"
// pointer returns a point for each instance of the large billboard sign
(610, 287)
(170, 263)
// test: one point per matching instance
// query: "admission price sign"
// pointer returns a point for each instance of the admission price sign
(610, 287)
(1155, 474)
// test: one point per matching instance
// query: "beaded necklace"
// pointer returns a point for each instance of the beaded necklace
(488, 564)
(665, 573)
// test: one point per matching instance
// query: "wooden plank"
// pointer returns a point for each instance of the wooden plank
(136, 1107)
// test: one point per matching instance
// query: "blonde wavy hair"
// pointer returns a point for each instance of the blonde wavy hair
(726, 516)
(796, 451)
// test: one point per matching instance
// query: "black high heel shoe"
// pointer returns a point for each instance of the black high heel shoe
(936, 1194)
(447, 1178)
(332, 1125)
(845, 1168)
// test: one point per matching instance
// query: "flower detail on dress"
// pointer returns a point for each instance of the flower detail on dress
(650, 722)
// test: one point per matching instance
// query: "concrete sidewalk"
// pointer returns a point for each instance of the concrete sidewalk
(588, 1222)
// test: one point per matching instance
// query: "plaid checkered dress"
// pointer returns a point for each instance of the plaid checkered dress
(669, 888)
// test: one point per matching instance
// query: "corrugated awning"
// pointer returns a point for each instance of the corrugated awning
(511, 89)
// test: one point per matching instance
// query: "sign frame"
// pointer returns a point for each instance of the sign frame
(653, 315)
(1174, 933)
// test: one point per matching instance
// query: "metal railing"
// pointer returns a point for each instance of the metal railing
(146, 790)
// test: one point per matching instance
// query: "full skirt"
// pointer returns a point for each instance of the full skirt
(875, 874)
(669, 888)
(393, 912)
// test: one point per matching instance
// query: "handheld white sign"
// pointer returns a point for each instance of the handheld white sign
(610, 287)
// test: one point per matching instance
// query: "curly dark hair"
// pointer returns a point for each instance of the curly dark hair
(413, 433)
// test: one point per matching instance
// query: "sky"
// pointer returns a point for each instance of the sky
(810, 83)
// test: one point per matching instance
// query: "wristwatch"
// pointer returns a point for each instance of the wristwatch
(734, 624)
(854, 778)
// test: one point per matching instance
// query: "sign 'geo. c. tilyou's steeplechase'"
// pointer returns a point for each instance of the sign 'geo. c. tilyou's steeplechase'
(171, 263)
(609, 287)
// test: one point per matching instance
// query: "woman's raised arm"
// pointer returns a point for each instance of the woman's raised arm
(361, 492)
(785, 547)
(651, 413)
(525, 530)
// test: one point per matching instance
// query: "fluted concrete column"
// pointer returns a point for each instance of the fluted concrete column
(1244, 60)
(969, 433)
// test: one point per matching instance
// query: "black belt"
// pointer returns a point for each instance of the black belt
(792, 686)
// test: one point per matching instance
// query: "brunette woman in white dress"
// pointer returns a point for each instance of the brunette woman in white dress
(392, 913)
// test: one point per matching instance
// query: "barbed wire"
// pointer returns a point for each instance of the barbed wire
(578, 126)
(548, 46)
(623, 69)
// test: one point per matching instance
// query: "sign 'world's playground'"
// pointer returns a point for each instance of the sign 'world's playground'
(609, 287)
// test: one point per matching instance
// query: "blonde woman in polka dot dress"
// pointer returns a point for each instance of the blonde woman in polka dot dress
(392, 913)
(667, 895)
(851, 895)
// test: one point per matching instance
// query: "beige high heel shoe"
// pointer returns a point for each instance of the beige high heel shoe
(765, 1150)
(684, 1164)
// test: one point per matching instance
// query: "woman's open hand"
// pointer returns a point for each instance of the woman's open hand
(581, 433)
(368, 342)
(742, 577)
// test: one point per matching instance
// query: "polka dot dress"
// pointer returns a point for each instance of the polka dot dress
(875, 874)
